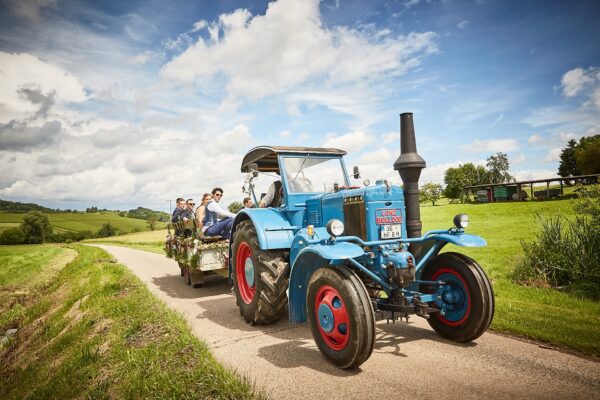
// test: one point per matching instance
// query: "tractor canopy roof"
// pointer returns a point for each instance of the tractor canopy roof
(266, 156)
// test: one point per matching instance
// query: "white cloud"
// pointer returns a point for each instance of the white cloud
(19, 71)
(519, 159)
(350, 142)
(553, 155)
(377, 156)
(498, 119)
(290, 45)
(390, 137)
(494, 145)
(573, 81)
(463, 24)
(285, 134)
(534, 139)
(533, 174)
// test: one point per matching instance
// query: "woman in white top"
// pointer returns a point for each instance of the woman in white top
(206, 198)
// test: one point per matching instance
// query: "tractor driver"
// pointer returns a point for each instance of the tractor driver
(274, 195)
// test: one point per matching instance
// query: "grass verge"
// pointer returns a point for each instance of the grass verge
(147, 241)
(95, 331)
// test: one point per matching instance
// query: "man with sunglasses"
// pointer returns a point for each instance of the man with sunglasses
(213, 226)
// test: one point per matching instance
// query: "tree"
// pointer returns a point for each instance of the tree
(458, 178)
(498, 166)
(567, 165)
(151, 222)
(107, 230)
(431, 192)
(36, 227)
(235, 206)
(587, 155)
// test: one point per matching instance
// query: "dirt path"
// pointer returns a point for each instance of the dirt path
(409, 361)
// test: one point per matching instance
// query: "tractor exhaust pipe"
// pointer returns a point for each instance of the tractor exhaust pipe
(409, 166)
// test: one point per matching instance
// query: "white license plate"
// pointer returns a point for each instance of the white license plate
(391, 231)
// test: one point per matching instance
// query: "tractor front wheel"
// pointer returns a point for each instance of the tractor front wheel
(466, 298)
(341, 316)
(259, 277)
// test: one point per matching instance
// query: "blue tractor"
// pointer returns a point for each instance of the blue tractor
(342, 257)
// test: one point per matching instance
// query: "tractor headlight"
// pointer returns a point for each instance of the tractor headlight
(335, 227)
(461, 221)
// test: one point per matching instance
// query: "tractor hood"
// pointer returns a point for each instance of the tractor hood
(370, 213)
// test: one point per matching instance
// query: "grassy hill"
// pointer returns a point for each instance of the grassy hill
(65, 222)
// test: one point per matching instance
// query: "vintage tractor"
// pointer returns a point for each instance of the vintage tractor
(196, 254)
(344, 256)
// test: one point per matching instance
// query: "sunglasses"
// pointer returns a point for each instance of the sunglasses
(192, 204)
(218, 194)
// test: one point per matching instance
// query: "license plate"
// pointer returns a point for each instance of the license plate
(391, 231)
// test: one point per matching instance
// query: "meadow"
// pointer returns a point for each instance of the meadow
(543, 314)
(69, 222)
(91, 329)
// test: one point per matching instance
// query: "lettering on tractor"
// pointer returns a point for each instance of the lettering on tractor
(341, 257)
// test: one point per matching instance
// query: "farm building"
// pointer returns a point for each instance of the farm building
(518, 190)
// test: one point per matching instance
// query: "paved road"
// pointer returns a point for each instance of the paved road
(409, 361)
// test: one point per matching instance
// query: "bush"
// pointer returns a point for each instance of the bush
(70, 237)
(589, 203)
(12, 236)
(36, 227)
(107, 230)
(564, 254)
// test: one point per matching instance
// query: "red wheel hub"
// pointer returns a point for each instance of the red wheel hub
(332, 318)
(246, 289)
(463, 308)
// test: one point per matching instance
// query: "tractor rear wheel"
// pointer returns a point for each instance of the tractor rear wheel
(259, 277)
(341, 316)
(467, 297)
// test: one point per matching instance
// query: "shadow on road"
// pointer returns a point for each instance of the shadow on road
(174, 286)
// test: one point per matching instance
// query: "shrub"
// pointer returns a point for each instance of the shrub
(564, 254)
(589, 203)
(12, 236)
(107, 230)
(36, 227)
(70, 237)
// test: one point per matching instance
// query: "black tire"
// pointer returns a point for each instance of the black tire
(260, 294)
(345, 347)
(470, 311)
(197, 278)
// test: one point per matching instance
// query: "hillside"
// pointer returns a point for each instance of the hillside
(66, 222)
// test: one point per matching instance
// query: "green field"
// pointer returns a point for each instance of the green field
(66, 222)
(149, 241)
(92, 330)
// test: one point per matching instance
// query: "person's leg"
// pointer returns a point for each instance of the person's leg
(227, 228)
(218, 227)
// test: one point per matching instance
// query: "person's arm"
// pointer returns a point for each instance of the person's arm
(268, 199)
(200, 215)
(216, 208)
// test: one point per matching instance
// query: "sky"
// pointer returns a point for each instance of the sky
(124, 104)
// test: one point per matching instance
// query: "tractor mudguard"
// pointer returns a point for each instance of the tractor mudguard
(273, 230)
(462, 239)
(307, 261)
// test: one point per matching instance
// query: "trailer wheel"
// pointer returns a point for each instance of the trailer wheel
(341, 316)
(259, 277)
(467, 296)
(186, 275)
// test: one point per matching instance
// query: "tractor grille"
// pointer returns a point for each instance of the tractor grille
(355, 217)
(314, 218)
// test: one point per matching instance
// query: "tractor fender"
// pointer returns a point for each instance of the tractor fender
(307, 261)
(462, 239)
(273, 230)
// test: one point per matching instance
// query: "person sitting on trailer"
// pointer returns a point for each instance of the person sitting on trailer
(212, 225)
(206, 197)
(179, 207)
(248, 202)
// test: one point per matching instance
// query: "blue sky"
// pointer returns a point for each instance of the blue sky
(119, 104)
